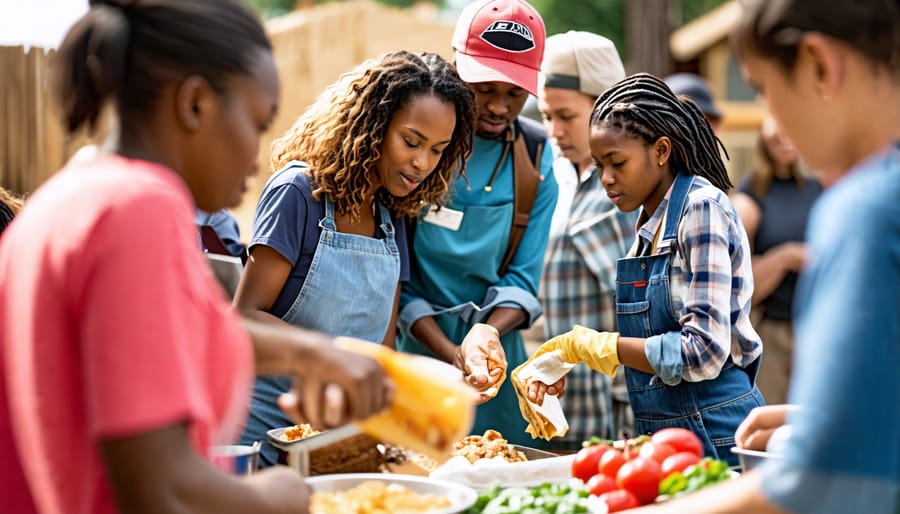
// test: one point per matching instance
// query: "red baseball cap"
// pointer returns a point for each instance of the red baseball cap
(500, 40)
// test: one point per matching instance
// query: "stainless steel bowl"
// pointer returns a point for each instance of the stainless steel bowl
(461, 497)
(236, 459)
(750, 458)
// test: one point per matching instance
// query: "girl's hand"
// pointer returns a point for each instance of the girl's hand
(537, 390)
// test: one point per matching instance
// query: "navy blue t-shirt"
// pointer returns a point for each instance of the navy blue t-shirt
(785, 212)
(287, 220)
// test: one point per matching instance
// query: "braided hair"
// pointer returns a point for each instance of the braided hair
(645, 107)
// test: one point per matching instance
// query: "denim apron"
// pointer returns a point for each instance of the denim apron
(349, 291)
(468, 262)
(712, 409)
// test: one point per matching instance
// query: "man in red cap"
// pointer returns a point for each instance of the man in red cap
(477, 260)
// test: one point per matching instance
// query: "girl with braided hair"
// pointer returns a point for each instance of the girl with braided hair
(376, 147)
(683, 291)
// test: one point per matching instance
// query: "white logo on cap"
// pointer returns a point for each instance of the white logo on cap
(509, 36)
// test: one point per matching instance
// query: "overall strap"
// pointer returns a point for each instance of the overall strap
(387, 226)
(677, 200)
(328, 221)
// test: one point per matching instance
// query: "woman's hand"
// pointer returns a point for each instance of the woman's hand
(333, 387)
(537, 390)
(482, 360)
(756, 429)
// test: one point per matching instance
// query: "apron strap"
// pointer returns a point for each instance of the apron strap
(327, 222)
(675, 209)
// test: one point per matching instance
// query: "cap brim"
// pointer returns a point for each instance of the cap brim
(486, 69)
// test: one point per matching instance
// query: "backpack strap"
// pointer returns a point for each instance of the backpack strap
(526, 154)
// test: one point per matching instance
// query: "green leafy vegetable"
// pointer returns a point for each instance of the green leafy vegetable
(547, 498)
(706, 472)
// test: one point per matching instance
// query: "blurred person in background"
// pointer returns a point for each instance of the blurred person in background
(329, 245)
(225, 227)
(121, 361)
(697, 89)
(773, 202)
(589, 233)
(461, 290)
(829, 74)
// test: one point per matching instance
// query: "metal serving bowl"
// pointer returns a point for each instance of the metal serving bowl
(461, 497)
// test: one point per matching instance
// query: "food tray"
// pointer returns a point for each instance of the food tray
(460, 496)
(340, 450)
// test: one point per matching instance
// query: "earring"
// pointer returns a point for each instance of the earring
(660, 163)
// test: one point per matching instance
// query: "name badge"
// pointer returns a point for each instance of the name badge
(447, 218)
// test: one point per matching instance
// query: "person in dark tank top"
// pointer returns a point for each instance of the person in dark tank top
(773, 202)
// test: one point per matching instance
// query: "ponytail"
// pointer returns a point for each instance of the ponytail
(128, 50)
(90, 65)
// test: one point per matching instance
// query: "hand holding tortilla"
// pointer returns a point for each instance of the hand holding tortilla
(549, 365)
(482, 360)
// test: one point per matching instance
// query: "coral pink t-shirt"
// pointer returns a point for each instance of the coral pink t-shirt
(111, 325)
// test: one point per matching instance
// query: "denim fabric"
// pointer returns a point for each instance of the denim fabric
(712, 409)
(348, 291)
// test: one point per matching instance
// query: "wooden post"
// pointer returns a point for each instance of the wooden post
(647, 36)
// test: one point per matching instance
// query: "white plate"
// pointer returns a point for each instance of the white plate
(461, 497)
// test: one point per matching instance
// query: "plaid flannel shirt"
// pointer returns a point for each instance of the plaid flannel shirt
(711, 282)
(578, 287)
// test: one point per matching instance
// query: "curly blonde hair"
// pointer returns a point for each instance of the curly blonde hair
(340, 135)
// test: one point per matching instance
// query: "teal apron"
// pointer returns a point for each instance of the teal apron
(454, 271)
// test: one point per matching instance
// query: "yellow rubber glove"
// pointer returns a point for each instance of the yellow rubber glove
(552, 360)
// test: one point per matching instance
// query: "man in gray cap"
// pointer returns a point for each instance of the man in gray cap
(588, 232)
(694, 87)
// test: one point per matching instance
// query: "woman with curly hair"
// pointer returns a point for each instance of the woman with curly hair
(377, 146)
(10, 206)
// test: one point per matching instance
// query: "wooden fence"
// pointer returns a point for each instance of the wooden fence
(33, 144)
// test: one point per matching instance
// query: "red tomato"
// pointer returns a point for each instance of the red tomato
(587, 460)
(610, 462)
(682, 439)
(679, 462)
(619, 500)
(641, 476)
(600, 483)
(657, 452)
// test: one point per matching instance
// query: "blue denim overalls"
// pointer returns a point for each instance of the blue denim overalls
(712, 409)
(348, 291)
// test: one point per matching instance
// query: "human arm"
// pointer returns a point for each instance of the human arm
(264, 276)
(738, 496)
(709, 287)
(770, 267)
(158, 471)
(390, 338)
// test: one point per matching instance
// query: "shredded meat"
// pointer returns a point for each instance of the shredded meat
(487, 446)
(297, 432)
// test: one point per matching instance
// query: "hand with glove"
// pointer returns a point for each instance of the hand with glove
(541, 379)
(482, 360)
